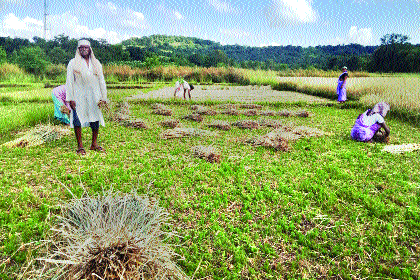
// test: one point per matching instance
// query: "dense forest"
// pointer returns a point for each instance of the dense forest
(394, 54)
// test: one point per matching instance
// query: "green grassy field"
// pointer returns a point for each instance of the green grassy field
(329, 208)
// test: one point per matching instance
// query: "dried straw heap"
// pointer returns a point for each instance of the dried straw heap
(202, 110)
(39, 135)
(250, 106)
(160, 109)
(268, 113)
(247, 124)
(299, 113)
(208, 153)
(230, 111)
(222, 125)
(170, 123)
(399, 149)
(193, 117)
(179, 132)
(280, 138)
(112, 236)
(272, 123)
(122, 116)
(250, 112)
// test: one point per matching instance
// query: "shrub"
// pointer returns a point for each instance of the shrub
(33, 60)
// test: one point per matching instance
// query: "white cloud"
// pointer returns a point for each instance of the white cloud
(122, 18)
(178, 15)
(235, 33)
(13, 2)
(26, 27)
(272, 44)
(291, 11)
(362, 36)
(222, 6)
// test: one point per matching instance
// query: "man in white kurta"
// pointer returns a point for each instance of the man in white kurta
(86, 92)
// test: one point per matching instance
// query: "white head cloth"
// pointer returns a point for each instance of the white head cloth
(83, 42)
(381, 108)
(80, 62)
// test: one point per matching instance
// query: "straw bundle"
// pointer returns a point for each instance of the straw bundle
(110, 237)
(268, 113)
(208, 153)
(227, 106)
(272, 123)
(170, 123)
(277, 139)
(250, 106)
(202, 110)
(247, 124)
(193, 117)
(179, 132)
(65, 110)
(39, 135)
(250, 112)
(287, 113)
(160, 109)
(222, 125)
(231, 112)
(135, 123)
(404, 148)
(306, 131)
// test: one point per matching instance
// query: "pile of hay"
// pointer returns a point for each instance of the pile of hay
(170, 123)
(39, 135)
(65, 110)
(228, 106)
(113, 236)
(247, 124)
(222, 125)
(231, 112)
(299, 113)
(208, 153)
(250, 106)
(193, 117)
(277, 139)
(179, 132)
(122, 111)
(250, 112)
(135, 123)
(306, 131)
(268, 113)
(160, 109)
(272, 123)
(202, 110)
(399, 149)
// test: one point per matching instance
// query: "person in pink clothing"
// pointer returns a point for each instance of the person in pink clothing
(369, 125)
(61, 106)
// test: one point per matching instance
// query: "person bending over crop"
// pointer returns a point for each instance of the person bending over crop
(61, 106)
(86, 93)
(187, 88)
(370, 126)
(178, 87)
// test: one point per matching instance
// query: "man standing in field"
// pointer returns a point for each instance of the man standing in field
(341, 87)
(86, 93)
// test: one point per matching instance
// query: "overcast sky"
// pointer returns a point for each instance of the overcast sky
(252, 23)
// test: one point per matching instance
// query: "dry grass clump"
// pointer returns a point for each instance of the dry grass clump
(277, 139)
(170, 123)
(120, 113)
(288, 113)
(272, 123)
(306, 131)
(179, 132)
(135, 123)
(202, 110)
(112, 236)
(227, 106)
(250, 112)
(65, 110)
(39, 135)
(399, 149)
(160, 109)
(247, 124)
(219, 124)
(268, 113)
(231, 112)
(193, 117)
(250, 106)
(208, 153)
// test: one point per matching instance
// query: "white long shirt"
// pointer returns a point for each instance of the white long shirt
(86, 92)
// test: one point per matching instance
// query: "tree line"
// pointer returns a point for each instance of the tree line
(394, 54)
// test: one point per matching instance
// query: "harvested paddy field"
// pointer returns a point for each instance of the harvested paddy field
(234, 94)
(245, 204)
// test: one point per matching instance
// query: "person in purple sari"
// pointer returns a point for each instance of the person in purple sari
(371, 124)
(341, 86)
(61, 106)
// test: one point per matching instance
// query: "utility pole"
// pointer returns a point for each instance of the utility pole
(45, 19)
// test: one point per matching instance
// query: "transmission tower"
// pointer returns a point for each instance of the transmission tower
(45, 19)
